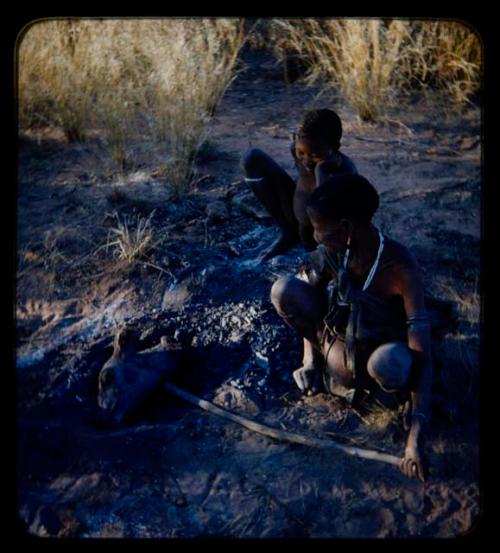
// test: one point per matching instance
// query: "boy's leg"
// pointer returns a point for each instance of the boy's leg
(274, 188)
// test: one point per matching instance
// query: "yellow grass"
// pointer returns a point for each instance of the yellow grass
(154, 79)
(132, 235)
(372, 62)
(447, 55)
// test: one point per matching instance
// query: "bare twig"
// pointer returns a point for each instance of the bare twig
(166, 271)
(79, 260)
(360, 416)
(194, 183)
(206, 242)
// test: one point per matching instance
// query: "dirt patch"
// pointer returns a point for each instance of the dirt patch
(176, 471)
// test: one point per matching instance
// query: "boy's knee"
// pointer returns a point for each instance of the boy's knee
(251, 160)
(280, 291)
(390, 365)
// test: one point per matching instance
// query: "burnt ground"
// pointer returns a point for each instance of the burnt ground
(174, 470)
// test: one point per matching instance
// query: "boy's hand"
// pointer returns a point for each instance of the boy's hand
(327, 166)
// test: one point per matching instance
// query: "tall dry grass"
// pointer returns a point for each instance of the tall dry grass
(54, 87)
(373, 62)
(156, 79)
(446, 56)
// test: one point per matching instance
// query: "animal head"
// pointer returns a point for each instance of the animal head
(123, 387)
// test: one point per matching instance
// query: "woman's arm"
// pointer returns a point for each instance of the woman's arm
(419, 343)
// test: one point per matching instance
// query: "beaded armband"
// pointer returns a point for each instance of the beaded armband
(421, 321)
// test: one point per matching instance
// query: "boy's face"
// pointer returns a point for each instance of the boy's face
(332, 234)
(310, 152)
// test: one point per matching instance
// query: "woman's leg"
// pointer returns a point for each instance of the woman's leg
(390, 366)
(386, 376)
(303, 307)
(335, 364)
(274, 188)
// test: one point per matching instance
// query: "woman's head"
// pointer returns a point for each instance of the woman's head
(339, 206)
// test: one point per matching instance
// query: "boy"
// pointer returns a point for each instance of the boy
(373, 331)
(315, 149)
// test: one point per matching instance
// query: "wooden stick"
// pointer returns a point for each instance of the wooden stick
(384, 141)
(283, 434)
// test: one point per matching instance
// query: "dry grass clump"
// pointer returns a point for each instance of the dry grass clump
(373, 62)
(54, 87)
(151, 79)
(133, 236)
(460, 350)
(359, 58)
(468, 303)
(447, 56)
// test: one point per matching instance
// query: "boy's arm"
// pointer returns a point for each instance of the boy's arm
(419, 343)
(327, 167)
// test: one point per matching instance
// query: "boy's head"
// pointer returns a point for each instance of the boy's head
(338, 206)
(321, 126)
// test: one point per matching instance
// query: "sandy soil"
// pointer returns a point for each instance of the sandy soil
(174, 471)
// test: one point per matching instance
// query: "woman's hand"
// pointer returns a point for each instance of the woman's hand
(307, 379)
(412, 463)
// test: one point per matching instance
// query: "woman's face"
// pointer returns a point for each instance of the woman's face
(310, 153)
(332, 234)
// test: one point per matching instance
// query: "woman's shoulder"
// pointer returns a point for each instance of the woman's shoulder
(398, 267)
(398, 255)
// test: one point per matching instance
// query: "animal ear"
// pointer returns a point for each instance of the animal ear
(107, 376)
(128, 336)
